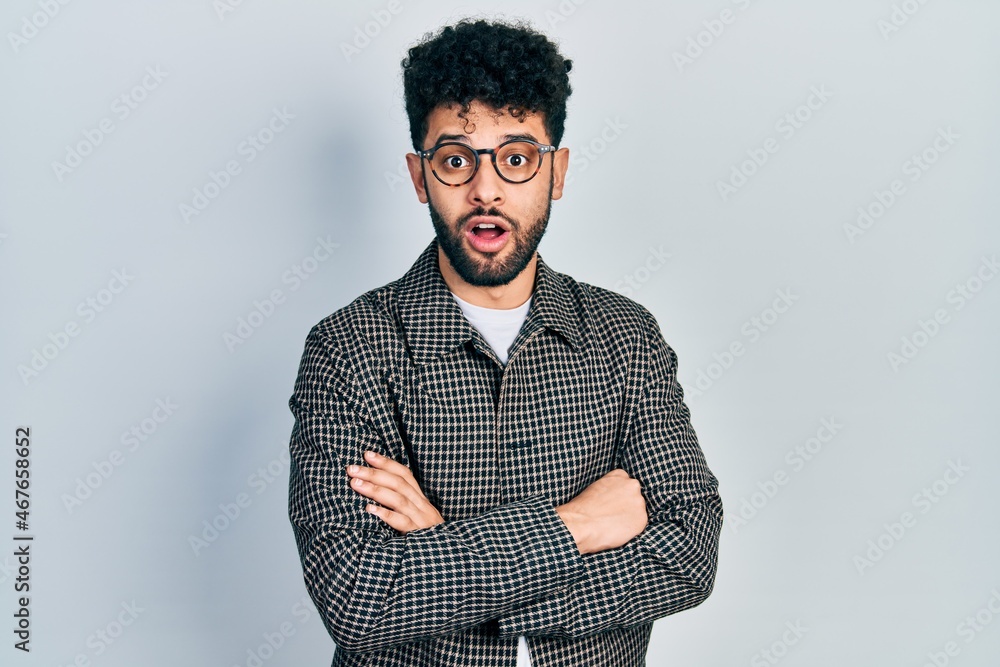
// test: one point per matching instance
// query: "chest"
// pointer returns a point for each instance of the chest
(479, 434)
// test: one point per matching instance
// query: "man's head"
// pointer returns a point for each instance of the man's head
(482, 84)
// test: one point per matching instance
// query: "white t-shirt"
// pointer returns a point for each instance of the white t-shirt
(500, 327)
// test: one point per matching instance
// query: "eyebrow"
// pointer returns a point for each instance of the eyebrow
(463, 138)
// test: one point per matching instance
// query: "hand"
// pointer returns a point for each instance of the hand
(391, 484)
(607, 514)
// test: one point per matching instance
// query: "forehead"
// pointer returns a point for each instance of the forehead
(482, 125)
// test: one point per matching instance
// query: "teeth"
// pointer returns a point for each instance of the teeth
(486, 225)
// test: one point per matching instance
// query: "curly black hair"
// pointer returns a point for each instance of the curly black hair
(505, 65)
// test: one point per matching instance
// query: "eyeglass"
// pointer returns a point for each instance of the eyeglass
(516, 160)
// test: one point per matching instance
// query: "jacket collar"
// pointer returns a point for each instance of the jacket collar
(434, 324)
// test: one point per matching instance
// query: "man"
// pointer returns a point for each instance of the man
(492, 463)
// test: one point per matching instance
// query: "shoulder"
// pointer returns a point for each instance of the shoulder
(613, 314)
(356, 328)
(622, 326)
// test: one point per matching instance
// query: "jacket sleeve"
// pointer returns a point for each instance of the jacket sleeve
(375, 587)
(671, 565)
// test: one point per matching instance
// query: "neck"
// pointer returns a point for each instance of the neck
(511, 295)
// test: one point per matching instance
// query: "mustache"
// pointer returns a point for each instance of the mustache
(480, 211)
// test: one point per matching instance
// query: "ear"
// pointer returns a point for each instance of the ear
(560, 163)
(415, 164)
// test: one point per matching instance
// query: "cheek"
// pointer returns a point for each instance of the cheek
(447, 201)
(539, 203)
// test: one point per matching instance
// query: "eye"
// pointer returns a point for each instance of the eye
(454, 158)
(517, 160)
(519, 157)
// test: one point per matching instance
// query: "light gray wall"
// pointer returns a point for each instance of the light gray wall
(652, 137)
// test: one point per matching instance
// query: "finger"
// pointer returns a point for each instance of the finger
(400, 522)
(384, 496)
(387, 479)
(394, 500)
(385, 463)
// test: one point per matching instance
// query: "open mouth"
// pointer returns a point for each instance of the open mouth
(487, 230)
(487, 234)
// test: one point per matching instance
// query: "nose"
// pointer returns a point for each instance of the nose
(486, 188)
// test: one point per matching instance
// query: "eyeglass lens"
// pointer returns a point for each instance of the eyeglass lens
(516, 161)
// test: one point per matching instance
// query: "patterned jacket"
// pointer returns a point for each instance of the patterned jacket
(590, 385)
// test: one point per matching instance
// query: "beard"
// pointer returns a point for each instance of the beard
(492, 271)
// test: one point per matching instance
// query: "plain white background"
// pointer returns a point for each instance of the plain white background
(669, 102)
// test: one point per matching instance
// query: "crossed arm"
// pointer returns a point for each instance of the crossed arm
(402, 574)
(606, 515)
